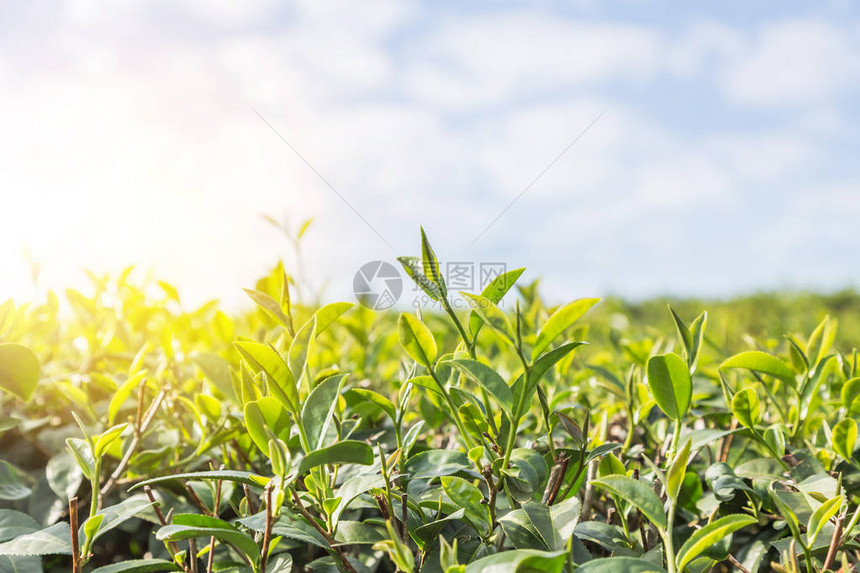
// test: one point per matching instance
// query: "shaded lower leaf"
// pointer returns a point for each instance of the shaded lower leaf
(54, 540)
(620, 565)
(520, 561)
(139, 566)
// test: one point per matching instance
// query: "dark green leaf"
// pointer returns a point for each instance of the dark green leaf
(345, 452)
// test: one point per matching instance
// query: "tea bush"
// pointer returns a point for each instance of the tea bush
(137, 436)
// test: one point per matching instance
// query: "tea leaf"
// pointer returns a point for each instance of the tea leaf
(560, 321)
(821, 516)
(19, 370)
(670, 384)
(416, 339)
(637, 493)
(746, 408)
(709, 535)
(191, 526)
(489, 379)
(845, 437)
(139, 566)
(319, 409)
(761, 362)
(345, 452)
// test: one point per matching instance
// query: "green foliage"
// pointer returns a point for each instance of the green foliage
(315, 437)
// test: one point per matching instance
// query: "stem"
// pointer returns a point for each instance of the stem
(328, 537)
(454, 415)
(517, 413)
(676, 437)
(834, 543)
(73, 524)
(628, 440)
(267, 535)
(140, 428)
(668, 541)
(96, 500)
(211, 561)
(172, 547)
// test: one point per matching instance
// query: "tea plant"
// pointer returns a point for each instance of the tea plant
(141, 436)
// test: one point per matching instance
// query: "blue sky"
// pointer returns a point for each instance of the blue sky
(725, 161)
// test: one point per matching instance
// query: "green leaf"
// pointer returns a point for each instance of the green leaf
(487, 378)
(491, 314)
(540, 367)
(236, 476)
(264, 358)
(415, 269)
(345, 452)
(495, 291)
(209, 406)
(560, 321)
(670, 384)
(269, 305)
(710, 535)
(91, 526)
(319, 409)
(122, 394)
(762, 362)
(352, 488)
(299, 348)
(675, 475)
(384, 403)
(697, 330)
(139, 566)
(19, 370)
(464, 494)
(13, 483)
(14, 523)
(115, 515)
(746, 407)
(280, 563)
(845, 437)
(54, 540)
(538, 526)
(620, 565)
(437, 463)
(821, 516)
(83, 455)
(431, 265)
(192, 526)
(850, 393)
(636, 492)
(520, 561)
(416, 339)
(326, 315)
(287, 525)
(683, 331)
(572, 428)
(9, 564)
(266, 413)
(217, 371)
(104, 441)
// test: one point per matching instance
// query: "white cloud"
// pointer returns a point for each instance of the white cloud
(795, 62)
(489, 59)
